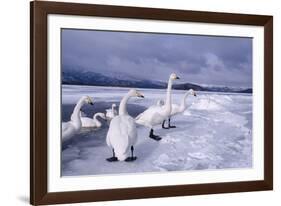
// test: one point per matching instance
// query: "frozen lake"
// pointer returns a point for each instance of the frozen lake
(215, 132)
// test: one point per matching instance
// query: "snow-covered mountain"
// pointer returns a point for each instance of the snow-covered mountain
(82, 77)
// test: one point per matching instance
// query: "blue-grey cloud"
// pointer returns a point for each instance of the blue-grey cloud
(214, 60)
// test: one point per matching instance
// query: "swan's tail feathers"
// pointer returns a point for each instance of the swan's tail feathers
(121, 153)
(121, 157)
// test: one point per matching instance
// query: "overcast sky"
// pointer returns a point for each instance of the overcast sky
(197, 59)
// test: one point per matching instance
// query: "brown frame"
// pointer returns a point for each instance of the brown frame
(38, 102)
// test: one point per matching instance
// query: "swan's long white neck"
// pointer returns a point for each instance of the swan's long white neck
(76, 112)
(113, 107)
(168, 97)
(97, 115)
(183, 102)
(97, 122)
(123, 105)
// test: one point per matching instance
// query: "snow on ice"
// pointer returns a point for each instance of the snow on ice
(215, 132)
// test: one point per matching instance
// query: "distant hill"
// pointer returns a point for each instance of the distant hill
(96, 79)
(246, 91)
(187, 86)
(195, 87)
(80, 77)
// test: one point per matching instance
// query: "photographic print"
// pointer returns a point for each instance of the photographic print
(136, 102)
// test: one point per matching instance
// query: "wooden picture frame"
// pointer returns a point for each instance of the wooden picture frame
(39, 11)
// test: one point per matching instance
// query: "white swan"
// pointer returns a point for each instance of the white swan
(74, 125)
(92, 122)
(156, 114)
(177, 109)
(122, 132)
(111, 113)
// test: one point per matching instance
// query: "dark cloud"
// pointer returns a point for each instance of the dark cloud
(200, 59)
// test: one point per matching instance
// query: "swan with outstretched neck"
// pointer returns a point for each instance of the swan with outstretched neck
(92, 122)
(122, 133)
(156, 114)
(73, 126)
(178, 108)
(111, 113)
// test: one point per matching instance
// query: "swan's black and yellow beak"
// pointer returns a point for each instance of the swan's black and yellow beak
(138, 94)
(177, 77)
(91, 103)
(195, 94)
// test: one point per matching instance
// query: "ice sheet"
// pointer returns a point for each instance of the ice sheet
(215, 132)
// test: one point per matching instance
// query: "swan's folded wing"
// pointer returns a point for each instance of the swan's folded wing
(142, 118)
(175, 109)
(118, 132)
(118, 137)
(147, 112)
(157, 118)
(152, 116)
(87, 122)
(129, 131)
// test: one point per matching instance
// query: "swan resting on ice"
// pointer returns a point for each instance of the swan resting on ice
(74, 125)
(122, 132)
(92, 122)
(111, 113)
(178, 108)
(156, 114)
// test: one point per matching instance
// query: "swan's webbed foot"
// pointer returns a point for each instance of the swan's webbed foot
(171, 126)
(163, 125)
(112, 159)
(155, 137)
(132, 158)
